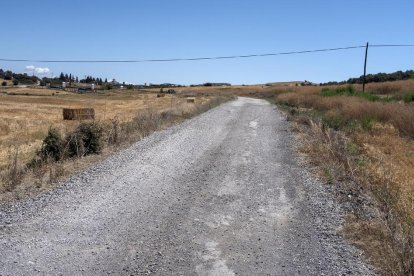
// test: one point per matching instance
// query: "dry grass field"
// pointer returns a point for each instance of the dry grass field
(364, 144)
(27, 114)
(240, 90)
(32, 129)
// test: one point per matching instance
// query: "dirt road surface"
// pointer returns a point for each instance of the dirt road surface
(220, 194)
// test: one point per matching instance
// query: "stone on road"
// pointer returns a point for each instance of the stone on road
(220, 194)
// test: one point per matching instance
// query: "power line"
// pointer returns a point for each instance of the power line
(391, 45)
(206, 58)
(182, 59)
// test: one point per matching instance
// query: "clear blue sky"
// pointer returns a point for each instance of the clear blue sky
(156, 29)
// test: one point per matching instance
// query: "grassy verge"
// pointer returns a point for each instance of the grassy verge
(350, 112)
(364, 149)
(63, 153)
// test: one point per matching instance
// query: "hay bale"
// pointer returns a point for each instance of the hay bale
(191, 99)
(159, 95)
(78, 114)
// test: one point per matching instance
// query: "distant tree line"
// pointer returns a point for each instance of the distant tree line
(72, 79)
(54, 81)
(211, 84)
(18, 78)
(68, 78)
(90, 79)
(162, 85)
(380, 77)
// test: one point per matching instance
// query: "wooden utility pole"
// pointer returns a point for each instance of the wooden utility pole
(365, 68)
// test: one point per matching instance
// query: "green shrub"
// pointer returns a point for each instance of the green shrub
(52, 147)
(107, 87)
(348, 90)
(334, 120)
(74, 145)
(375, 98)
(409, 97)
(85, 139)
(367, 122)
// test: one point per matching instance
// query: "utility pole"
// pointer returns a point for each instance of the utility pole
(365, 68)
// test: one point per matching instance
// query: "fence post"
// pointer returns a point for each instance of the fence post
(365, 68)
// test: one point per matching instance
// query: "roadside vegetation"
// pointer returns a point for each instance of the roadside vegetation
(39, 148)
(362, 144)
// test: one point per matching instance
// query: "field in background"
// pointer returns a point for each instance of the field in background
(27, 114)
(399, 88)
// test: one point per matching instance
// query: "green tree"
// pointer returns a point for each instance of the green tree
(8, 75)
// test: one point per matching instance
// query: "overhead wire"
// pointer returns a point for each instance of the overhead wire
(205, 58)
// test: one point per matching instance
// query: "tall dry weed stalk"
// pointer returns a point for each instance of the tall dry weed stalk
(113, 134)
(14, 172)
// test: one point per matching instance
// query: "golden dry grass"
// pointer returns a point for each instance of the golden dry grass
(399, 114)
(377, 163)
(389, 175)
(123, 117)
(380, 161)
(394, 87)
(391, 161)
(26, 116)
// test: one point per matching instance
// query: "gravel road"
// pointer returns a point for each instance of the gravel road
(220, 194)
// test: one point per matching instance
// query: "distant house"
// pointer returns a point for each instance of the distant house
(114, 82)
